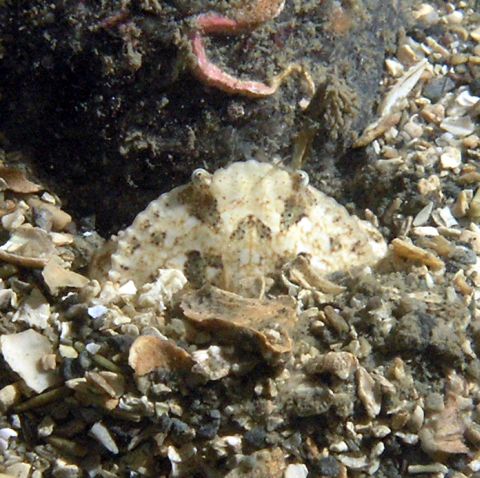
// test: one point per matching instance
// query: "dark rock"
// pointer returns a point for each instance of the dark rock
(72, 368)
(412, 332)
(112, 138)
(256, 437)
(475, 87)
(437, 88)
(209, 428)
(180, 432)
(326, 467)
(464, 255)
(121, 342)
(84, 359)
(165, 423)
(446, 343)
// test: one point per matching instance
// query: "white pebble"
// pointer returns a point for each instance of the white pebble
(296, 471)
(458, 126)
(451, 158)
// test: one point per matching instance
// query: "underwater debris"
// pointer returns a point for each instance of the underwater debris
(17, 182)
(29, 247)
(24, 353)
(263, 324)
(150, 353)
(56, 276)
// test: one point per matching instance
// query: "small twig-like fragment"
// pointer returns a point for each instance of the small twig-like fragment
(411, 252)
(68, 446)
(100, 359)
(42, 399)
(23, 261)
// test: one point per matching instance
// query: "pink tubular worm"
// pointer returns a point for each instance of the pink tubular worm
(245, 19)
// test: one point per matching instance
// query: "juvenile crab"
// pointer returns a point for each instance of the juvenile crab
(238, 226)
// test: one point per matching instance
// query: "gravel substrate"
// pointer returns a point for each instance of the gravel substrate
(361, 371)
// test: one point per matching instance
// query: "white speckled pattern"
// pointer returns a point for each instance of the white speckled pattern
(243, 222)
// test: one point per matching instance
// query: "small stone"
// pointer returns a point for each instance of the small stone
(438, 87)
(101, 433)
(149, 353)
(128, 289)
(433, 113)
(413, 332)
(458, 59)
(159, 293)
(97, 311)
(256, 437)
(413, 129)
(180, 432)
(394, 67)
(451, 158)
(341, 364)
(306, 401)
(439, 51)
(18, 470)
(454, 18)
(213, 363)
(427, 469)
(67, 351)
(72, 368)
(5, 435)
(46, 426)
(56, 276)
(296, 471)
(475, 34)
(328, 467)
(48, 362)
(35, 311)
(369, 392)
(426, 14)
(63, 469)
(9, 396)
(209, 428)
(406, 55)
(471, 142)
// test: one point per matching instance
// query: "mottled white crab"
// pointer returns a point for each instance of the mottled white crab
(239, 225)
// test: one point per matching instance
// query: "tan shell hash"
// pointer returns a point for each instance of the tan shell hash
(230, 316)
(238, 225)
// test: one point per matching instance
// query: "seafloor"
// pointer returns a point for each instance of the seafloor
(370, 372)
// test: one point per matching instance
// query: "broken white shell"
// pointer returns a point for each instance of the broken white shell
(23, 352)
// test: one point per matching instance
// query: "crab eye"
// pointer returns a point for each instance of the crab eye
(201, 176)
(301, 178)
